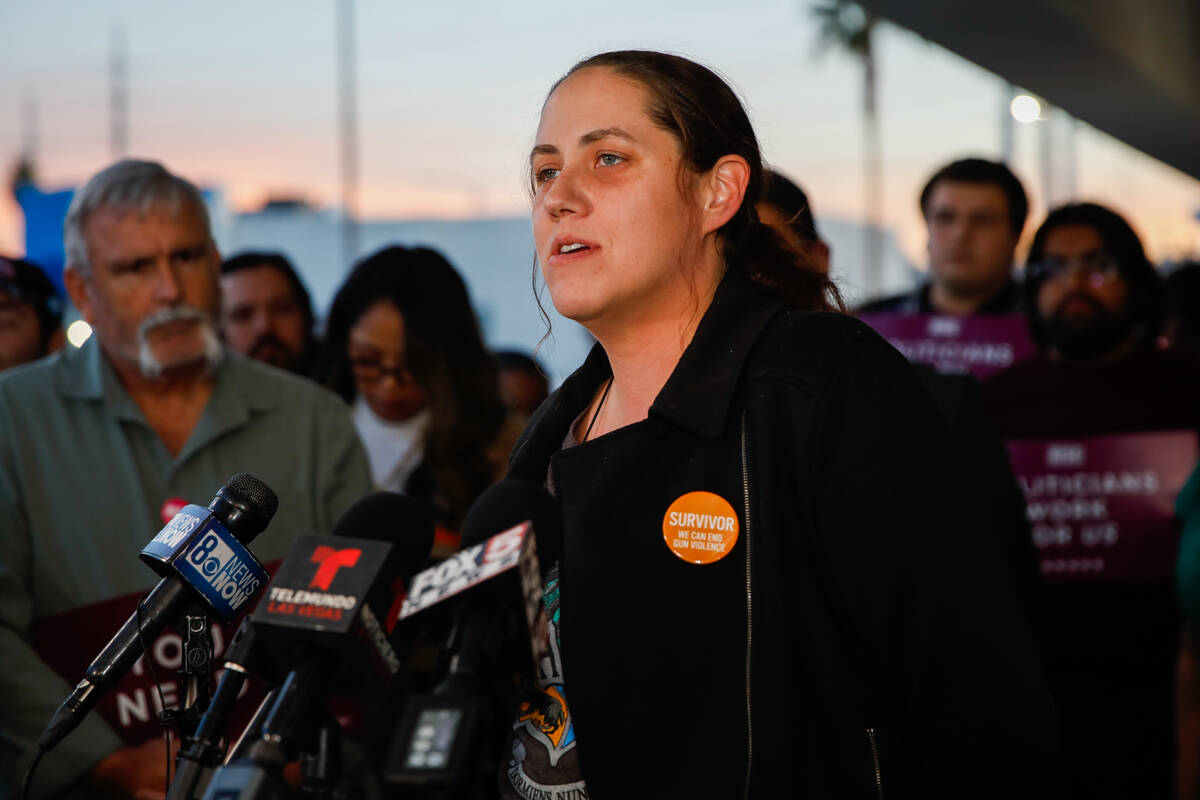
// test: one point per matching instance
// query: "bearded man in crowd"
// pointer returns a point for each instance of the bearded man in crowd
(1095, 305)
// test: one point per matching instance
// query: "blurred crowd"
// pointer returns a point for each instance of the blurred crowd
(393, 387)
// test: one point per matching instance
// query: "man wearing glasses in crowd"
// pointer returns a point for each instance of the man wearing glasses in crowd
(1095, 306)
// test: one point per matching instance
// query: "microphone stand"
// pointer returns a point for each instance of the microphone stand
(322, 769)
(201, 746)
(258, 775)
(197, 674)
(447, 744)
(196, 671)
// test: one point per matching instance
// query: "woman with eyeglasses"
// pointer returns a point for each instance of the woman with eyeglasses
(402, 346)
(768, 584)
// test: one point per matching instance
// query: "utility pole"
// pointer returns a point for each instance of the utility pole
(1046, 162)
(1007, 132)
(30, 135)
(26, 169)
(1071, 160)
(348, 129)
(118, 94)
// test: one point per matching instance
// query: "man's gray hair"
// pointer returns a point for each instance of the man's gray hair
(126, 186)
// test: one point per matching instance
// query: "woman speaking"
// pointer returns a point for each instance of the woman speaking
(766, 584)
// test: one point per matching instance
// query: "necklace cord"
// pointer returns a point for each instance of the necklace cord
(596, 413)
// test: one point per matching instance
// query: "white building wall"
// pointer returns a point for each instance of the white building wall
(495, 258)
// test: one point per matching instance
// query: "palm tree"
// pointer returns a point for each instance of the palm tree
(22, 173)
(848, 27)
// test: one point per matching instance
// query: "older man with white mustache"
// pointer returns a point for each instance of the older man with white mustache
(148, 361)
(100, 445)
(143, 270)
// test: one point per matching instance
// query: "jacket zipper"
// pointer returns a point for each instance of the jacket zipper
(749, 610)
(875, 763)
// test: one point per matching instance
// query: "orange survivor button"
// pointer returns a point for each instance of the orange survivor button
(700, 527)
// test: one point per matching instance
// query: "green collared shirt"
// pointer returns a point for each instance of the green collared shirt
(83, 481)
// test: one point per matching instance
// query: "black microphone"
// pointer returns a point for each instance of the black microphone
(509, 503)
(329, 617)
(201, 555)
(503, 507)
(343, 592)
(511, 537)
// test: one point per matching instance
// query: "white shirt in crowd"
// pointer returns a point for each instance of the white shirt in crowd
(394, 449)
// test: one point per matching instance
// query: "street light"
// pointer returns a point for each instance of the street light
(78, 332)
(1025, 109)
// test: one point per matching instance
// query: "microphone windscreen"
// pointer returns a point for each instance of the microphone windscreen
(393, 518)
(509, 503)
(249, 489)
(245, 505)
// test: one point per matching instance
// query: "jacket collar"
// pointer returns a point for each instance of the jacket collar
(698, 394)
(699, 391)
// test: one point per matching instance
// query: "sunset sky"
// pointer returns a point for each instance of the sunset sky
(243, 96)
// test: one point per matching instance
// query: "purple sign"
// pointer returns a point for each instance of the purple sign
(1102, 507)
(980, 345)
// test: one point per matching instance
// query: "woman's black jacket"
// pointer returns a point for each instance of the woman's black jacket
(861, 634)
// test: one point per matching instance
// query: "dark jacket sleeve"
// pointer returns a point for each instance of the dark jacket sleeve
(959, 696)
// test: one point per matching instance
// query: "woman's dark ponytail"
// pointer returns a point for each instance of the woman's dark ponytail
(771, 263)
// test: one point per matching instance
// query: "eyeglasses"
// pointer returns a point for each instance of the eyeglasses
(1096, 267)
(372, 369)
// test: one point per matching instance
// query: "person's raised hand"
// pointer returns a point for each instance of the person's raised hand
(133, 772)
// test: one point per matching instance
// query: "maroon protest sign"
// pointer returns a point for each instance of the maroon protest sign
(978, 345)
(1101, 508)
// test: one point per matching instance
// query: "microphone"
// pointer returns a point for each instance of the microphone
(513, 510)
(329, 613)
(343, 592)
(494, 581)
(510, 503)
(201, 555)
